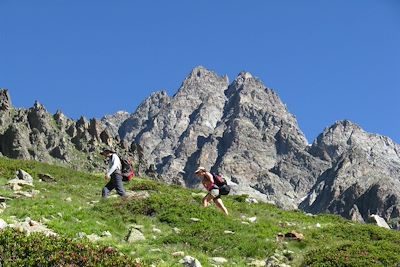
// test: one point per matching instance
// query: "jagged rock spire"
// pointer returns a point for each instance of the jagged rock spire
(5, 100)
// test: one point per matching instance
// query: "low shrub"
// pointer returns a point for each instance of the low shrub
(356, 254)
(18, 249)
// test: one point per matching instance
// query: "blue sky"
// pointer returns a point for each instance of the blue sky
(327, 60)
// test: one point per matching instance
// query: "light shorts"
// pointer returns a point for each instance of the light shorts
(214, 192)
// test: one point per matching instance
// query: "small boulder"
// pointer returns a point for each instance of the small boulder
(15, 187)
(257, 263)
(293, 235)
(135, 236)
(46, 178)
(106, 234)
(252, 219)
(176, 230)
(19, 194)
(93, 237)
(218, 260)
(378, 220)
(3, 224)
(251, 200)
(178, 254)
(81, 235)
(4, 199)
(29, 226)
(3, 206)
(23, 175)
(189, 261)
(139, 195)
(20, 182)
(157, 231)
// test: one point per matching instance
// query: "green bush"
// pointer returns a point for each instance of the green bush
(18, 249)
(357, 254)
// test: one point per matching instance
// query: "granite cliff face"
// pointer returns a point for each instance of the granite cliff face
(35, 134)
(244, 131)
(364, 177)
(113, 122)
(240, 129)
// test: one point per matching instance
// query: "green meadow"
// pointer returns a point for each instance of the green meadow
(172, 220)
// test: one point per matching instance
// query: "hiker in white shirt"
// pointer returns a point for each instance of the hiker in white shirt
(113, 174)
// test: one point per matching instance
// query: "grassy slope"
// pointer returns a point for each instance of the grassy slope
(336, 243)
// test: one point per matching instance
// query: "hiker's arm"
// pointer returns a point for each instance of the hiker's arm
(207, 180)
(210, 178)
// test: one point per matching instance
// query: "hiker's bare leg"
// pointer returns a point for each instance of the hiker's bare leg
(206, 200)
(218, 202)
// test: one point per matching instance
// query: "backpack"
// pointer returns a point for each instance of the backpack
(222, 184)
(127, 171)
(219, 180)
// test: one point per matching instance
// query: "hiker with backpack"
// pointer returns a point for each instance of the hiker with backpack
(216, 186)
(113, 175)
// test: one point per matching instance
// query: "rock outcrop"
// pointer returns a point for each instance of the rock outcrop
(35, 134)
(364, 177)
(113, 122)
(5, 100)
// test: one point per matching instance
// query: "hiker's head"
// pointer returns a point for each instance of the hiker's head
(107, 152)
(200, 171)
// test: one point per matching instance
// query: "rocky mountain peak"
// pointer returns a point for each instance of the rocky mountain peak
(363, 178)
(113, 122)
(59, 116)
(5, 100)
(82, 122)
(156, 100)
(243, 76)
(39, 118)
(143, 115)
(250, 98)
(200, 83)
(38, 106)
(345, 135)
(62, 120)
(199, 73)
(343, 127)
